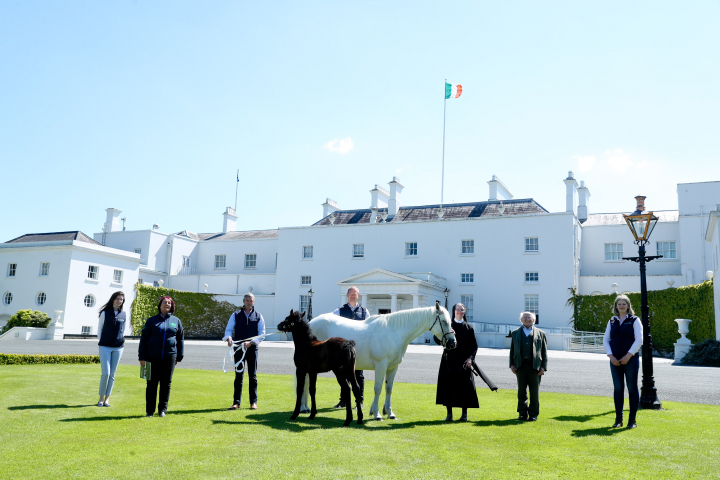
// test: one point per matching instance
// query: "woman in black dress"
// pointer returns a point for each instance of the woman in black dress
(456, 383)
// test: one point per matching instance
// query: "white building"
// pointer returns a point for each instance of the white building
(499, 256)
(67, 275)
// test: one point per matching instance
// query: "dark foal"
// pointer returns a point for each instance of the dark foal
(313, 356)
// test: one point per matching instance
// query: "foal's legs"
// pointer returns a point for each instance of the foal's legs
(357, 393)
(313, 382)
(300, 377)
(389, 381)
(342, 378)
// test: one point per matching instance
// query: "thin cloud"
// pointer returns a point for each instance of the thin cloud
(341, 146)
(585, 163)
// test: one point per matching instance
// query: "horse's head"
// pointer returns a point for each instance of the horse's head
(441, 327)
(290, 321)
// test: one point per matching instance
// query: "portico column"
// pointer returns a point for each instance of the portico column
(393, 302)
(343, 299)
(416, 300)
(365, 300)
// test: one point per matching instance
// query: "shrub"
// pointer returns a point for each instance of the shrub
(27, 318)
(200, 313)
(706, 353)
(695, 302)
(13, 359)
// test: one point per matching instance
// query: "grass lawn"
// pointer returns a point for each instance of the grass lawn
(50, 428)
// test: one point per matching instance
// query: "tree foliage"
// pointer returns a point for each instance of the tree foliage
(27, 318)
(695, 302)
(202, 316)
(706, 353)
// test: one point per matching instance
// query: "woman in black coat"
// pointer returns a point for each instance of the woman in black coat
(456, 383)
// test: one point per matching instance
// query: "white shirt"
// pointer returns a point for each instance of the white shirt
(637, 329)
(528, 331)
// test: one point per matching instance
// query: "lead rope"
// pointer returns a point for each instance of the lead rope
(437, 318)
(238, 345)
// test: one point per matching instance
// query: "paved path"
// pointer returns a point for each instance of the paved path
(568, 372)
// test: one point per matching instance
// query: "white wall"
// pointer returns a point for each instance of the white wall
(695, 201)
(499, 263)
(590, 285)
(228, 284)
(28, 283)
(235, 251)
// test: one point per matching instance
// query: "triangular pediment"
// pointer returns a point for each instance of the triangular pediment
(378, 275)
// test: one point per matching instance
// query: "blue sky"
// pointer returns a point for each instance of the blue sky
(152, 106)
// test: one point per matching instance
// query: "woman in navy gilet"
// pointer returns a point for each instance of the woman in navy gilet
(622, 340)
(111, 335)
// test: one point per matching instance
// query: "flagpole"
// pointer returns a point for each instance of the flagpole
(237, 184)
(442, 185)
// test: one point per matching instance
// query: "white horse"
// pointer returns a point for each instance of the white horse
(381, 342)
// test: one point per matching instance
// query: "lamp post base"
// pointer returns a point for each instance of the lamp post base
(649, 399)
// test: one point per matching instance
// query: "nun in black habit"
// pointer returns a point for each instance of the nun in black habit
(456, 383)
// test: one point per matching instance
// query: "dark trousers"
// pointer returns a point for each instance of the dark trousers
(161, 371)
(361, 381)
(528, 379)
(251, 359)
(626, 374)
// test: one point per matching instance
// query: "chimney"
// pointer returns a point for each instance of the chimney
(584, 198)
(229, 220)
(395, 190)
(112, 221)
(379, 197)
(571, 193)
(498, 189)
(373, 214)
(329, 207)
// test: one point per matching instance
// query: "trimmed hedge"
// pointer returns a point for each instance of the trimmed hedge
(200, 313)
(706, 353)
(14, 359)
(695, 302)
(27, 318)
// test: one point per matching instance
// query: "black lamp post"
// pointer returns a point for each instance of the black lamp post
(641, 224)
(447, 292)
(310, 294)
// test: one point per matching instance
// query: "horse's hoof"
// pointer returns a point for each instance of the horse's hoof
(293, 417)
(311, 417)
(360, 421)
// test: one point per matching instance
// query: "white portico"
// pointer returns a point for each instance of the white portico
(383, 291)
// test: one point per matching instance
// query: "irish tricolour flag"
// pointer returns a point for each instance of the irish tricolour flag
(452, 91)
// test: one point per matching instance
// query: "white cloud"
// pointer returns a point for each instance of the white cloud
(642, 164)
(398, 170)
(585, 163)
(341, 146)
(618, 160)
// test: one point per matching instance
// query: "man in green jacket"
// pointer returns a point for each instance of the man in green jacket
(528, 361)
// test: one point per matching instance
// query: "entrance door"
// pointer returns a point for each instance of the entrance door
(383, 311)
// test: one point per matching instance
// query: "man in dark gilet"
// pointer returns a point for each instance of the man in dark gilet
(354, 311)
(528, 361)
(246, 323)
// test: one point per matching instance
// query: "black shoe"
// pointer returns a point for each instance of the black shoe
(449, 418)
(340, 404)
(522, 418)
(618, 423)
(162, 413)
(532, 418)
(148, 414)
(631, 425)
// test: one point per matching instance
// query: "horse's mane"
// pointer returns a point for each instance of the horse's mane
(306, 330)
(403, 317)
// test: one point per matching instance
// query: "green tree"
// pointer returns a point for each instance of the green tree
(27, 318)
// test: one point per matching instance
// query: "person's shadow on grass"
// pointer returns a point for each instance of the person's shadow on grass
(170, 413)
(601, 431)
(41, 407)
(581, 418)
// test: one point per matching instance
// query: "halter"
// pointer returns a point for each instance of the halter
(444, 334)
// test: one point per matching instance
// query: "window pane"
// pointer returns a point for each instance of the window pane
(250, 260)
(304, 303)
(306, 280)
(532, 277)
(12, 268)
(358, 250)
(307, 252)
(468, 246)
(93, 272)
(410, 249)
(532, 303)
(666, 249)
(7, 298)
(219, 261)
(44, 269)
(117, 276)
(467, 300)
(613, 251)
(531, 244)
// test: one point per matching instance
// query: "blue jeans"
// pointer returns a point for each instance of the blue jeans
(626, 374)
(109, 359)
(251, 358)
